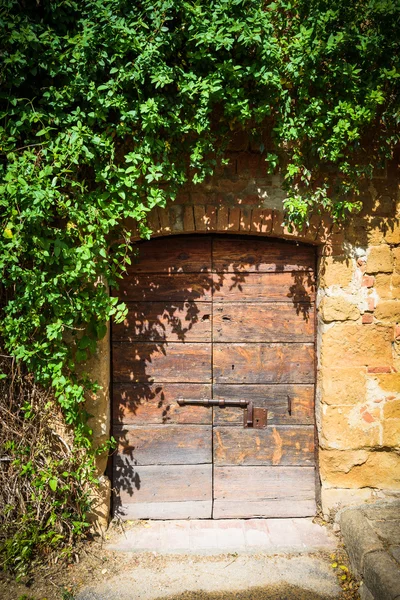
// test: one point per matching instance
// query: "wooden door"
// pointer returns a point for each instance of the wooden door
(215, 318)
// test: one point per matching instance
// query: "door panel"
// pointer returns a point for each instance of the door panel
(175, 287)
(161, 354)
(280, 445)
(215, 318)
(263, 363)
(171, 256)
(291, 287)
(264, 492)
(257, 322)
(157, 404)
(247, 255)
(166, 445)
(287, 404)
(148, 362)
(164, 322)
(185, 491)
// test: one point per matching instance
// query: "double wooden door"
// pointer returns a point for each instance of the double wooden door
(215, 318)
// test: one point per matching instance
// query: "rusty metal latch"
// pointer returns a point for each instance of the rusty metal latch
(254, 416)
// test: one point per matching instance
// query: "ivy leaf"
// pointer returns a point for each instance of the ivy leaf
(53, 484)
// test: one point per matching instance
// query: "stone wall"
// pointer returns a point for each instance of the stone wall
(358, 300)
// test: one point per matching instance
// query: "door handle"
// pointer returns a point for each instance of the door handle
(254, 416)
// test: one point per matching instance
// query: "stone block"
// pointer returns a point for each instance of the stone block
(340, 461)
(381, 470)
(188, 219)
(234, 219)
(395, 286)
(388, 311)
(359, 537)
(261, 220)
(392, 231)
(100, 508)
(383, 285)
(350, 427)
(335, 270)
(348, 343)
(379, 260)
(391, 433)
(396, 258)
(245, 219)
(223, 218)
(200, 219)
(211, 218)
(364, 592)
(333, 499)
(381, 576)
(98, 404)
(342, 386)
(389, 382)
(176, 218)
(338, 309)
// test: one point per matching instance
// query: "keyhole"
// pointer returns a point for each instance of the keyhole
(233, 366)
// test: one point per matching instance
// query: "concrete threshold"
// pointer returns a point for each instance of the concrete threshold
(213, 537)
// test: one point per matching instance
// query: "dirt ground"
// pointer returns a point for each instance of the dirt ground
(95, 564)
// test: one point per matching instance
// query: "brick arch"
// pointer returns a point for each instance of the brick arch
(192, 218)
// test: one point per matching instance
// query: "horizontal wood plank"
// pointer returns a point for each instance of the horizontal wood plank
(273, 397)
(165, 483)
(274, 508)
(173, 255)
(263, 363)
(264, 492)
(256, 322)
(176, 287)
(164, 445)
(165, 321)
(201, 509)
(142, 404)
(260, 255)
(148, 362)
(279, 446)
(291, 286)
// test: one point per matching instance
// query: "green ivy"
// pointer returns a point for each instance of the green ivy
(108, 106)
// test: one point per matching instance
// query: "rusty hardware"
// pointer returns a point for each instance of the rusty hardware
(254, 416)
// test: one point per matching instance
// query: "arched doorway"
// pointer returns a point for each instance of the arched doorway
(219, 338)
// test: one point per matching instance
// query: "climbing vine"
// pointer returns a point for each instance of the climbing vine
(108, 106)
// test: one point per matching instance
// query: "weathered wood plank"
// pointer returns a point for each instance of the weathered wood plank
(148, 362)
(140, 404)
(173, 255)
(165, 510)
(176, 287)
(280, 445)
(273, 397)
(164, 445)
(275, 508)
(257, 322)
(162, 322)
(264, 492)
(263, 363)
(166, 483)
(260, 255)
(292, 286)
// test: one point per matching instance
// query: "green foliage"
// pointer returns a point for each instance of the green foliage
(108, 106)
